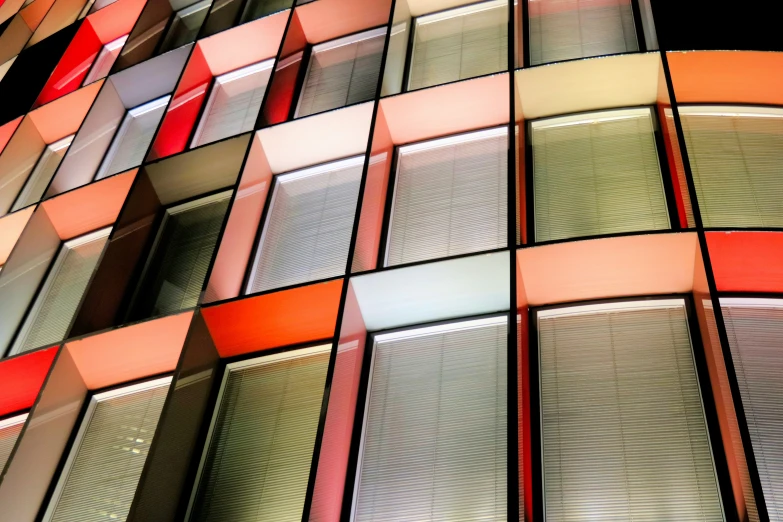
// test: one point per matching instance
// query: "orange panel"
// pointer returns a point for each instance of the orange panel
(11, 227)
(21, 378)
(294, 316)
(131, 353)
(7, 130)
(328, 19)
(63, 117)
(747, 261)
(116, 19)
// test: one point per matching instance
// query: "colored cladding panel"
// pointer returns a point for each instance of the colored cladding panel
(21, 379)
(747, 261)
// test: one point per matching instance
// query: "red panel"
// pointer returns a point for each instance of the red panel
(21, 379)
(747, 261)
(281, 90)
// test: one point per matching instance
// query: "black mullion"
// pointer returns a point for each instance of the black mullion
(638, 26)
(525, 33)
(391, 187)
(406, 71)
(536, 448)
(666, 174)
(304, 68)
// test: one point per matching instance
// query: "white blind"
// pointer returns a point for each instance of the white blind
(460, 43)
(569, 29)
(9, 432)
(103, 469)
(308, 226)
(595, 174)
(234, 103)
(50, 316)
(39, 178)
(434, 439)
(342, 72)
(106, 57)
(623, 429)
(258, 460)
(450, 197)
(134, 136)
(736, 156)
(755, 330)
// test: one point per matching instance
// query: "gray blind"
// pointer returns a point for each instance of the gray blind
(257, 464)
(736, 156)
(9, 432)
(342, 72)
(50, 316)
(434, 440)
(569, 29)
(234, 103)
(595, 174)
(133, 138)
(44, 169)
(459, 44)
(755, 330)
(623, 429)
(450, 197)
(308, 227)
(104, 467)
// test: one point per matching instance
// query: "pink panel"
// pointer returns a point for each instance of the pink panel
(116, 19)
(328, 19)
(11, 227)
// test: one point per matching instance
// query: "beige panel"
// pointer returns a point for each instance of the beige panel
(60, 15)
(17, 162)
(13, 38)
(151, 79)
(7, 65)
(420, 7)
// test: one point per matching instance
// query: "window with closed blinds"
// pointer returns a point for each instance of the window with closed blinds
(39, 178)
(133, 138)
(434, 438)
(50, 316)
(459, 44)
(234, 103)
(342, 72)
(185, 25)
(181, 255)
(308, 226)
(597, 173)
(105, 463)
(755, 331)
(9, 432)
(624, 435)
(257, 463)
(105, 60)
(568, 29)
(450, 197)
(736, 157)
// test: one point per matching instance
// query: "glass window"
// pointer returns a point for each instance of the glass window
(104, 61)
(185, 25)
(10, 429)
(39, 178)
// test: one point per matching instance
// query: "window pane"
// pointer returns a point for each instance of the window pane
(434, 440)
(450, 197)
(597, 173)
(9, 432)
(39, 178)
(460, 44)
(623, 429)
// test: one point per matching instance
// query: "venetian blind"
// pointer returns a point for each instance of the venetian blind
(50, 317)
(755, 338)
(257, 464)
(234, 103)
(130, 144)
(434, 441)
(342, 72)
(568, 29)
(450, 197)
(9, 432)
(104, 467)
(308, 226)
(460, 43)
(597, 174)
(39, 178)
(736, 156)
(623, 429)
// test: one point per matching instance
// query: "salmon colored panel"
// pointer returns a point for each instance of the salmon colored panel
(13, 38)
(21, 378)
(294, 316)
(7, 130)
(608, 267)
(280, 92)
(88, 208)
(130, 353)
(17, 161)
(727, 76)
(11, 227)
(63, 117)
(747, 261)
(246, 44)
(447, 109)
(116, 19)
(236, 246)
(327, 19)
(35, 12)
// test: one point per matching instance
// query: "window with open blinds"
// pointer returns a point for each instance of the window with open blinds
(597, 173)
(434, 439)
(459, 43)
(450, 197)
(623, 430)
(9, 432)
(50, 316)
(308, 226)
(257, 463)
(755, 331)
(234, 103)
(342, 72)
(39, 178)
(133, 138)
(736, 156)
(106, 58)
(103, 468)
(568, 29)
